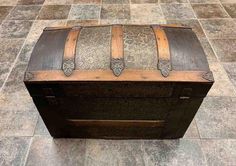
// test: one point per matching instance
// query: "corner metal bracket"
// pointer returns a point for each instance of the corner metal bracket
(29, 76)
(208, 76)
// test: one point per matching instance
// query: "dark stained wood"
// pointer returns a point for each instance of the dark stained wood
(124, 89)
(180, 117)
(116, 123)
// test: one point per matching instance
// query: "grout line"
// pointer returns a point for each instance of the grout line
(69, 14)
(27, 153)
(99, 19)
(36, 18)
(204, 154)
(225, 10)
(197, 128)
(164, 17)
(5, 19)
(192, 9)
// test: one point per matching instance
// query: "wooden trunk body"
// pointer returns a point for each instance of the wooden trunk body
(92, 102)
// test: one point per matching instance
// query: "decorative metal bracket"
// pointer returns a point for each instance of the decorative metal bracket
(208, 76)
(165, 67)
(117, 66)
(68, 66)
(29, 76)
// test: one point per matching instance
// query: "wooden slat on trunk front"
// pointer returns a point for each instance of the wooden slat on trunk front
(127, 75)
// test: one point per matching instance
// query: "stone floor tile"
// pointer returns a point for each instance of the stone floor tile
(58, 152)
(192, 131)
(227, 1)
(222, 85)
(204, 1)
(4, 11)
(17, 122)
(219, 28)
(177, 11)
(231, 9)
(115, 12)
(225, 49)
(184, 152)
(173, 1)
(231, 71)
(7, 3)
(82, 22)
(115, 21)
(114, 152)
(16, 100)
(41, 129)
(9, 48)
(208, 50)
(30, 2)
(53, 12)
(25, 54)
(39, 25)
(146, 13)
(24, 13)
(216, 118)
(193, 23)
(220, 152)
(115, 1)
(85, 12)
(143, 152)
(58, 2)
(19, 103)
(87, 2)
(144, 1)
(15, 28)
(13, 150)
(209, 11)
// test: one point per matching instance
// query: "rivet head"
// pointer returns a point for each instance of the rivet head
(29, 76)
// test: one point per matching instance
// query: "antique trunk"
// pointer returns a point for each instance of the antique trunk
(118, 81)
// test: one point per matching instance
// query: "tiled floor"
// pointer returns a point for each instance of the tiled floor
(211, 138)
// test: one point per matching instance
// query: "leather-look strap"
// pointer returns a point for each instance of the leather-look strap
(164, 63)
(117, 50)
(68, 64)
